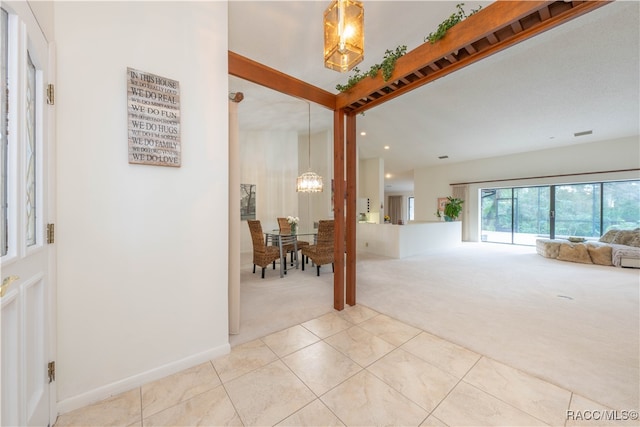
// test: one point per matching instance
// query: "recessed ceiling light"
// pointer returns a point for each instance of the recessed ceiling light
(586, 132)
(386, 147)
(388, 175)
(363, 133)
(443, 157)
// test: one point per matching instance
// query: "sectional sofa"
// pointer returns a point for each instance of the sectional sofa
(620, 248)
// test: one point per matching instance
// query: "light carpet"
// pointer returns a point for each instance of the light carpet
(273, 303)
(575, 325)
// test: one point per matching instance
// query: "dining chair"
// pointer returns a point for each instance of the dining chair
(263, 255)
(285, 228)
(322, 252)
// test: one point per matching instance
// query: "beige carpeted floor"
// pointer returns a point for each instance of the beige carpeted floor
(575, 325)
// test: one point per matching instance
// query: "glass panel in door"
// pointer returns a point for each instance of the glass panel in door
(30, 175)
(577, 211)
(496, 206)
(531, 219)
(620, 205)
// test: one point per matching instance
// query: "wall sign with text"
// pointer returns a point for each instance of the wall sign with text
(153, 105)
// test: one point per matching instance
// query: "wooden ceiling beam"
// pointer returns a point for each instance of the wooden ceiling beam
(247, 69)
(492, 38)
(516, 26)
(544, 13)
(470, 49)
(494, 28)
(492, 24)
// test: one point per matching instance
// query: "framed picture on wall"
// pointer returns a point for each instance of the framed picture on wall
(442, 201)
(247, 201)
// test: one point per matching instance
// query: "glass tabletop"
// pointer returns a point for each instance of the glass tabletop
(297, 233)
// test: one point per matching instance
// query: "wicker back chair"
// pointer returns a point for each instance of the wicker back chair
(285, 228)
(322, 252)
(263, 255)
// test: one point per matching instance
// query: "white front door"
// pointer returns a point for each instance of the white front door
(27, 278)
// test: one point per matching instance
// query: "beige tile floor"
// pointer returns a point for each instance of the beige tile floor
(355, 368)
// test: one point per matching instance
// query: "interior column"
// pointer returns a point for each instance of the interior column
(338, 209)
(351, 210)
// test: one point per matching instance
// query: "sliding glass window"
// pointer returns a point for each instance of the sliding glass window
(520, 215)
(577, 210)
(620, 205)
(515, 215)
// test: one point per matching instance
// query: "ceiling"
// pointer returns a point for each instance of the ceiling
(581, 76)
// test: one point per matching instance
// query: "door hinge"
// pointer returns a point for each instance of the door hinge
(51, 94)
(51, 233)
(51, 370)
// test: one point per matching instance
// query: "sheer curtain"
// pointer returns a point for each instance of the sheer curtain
(395, 208)
(462, 192)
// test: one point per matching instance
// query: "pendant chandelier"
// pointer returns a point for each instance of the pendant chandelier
(309, 182)
(343, 35)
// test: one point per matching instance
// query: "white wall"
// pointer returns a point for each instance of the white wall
(269, 160)
(142, 250)
(371, 177)
(431, 183)
(273, 160)
(316, 206)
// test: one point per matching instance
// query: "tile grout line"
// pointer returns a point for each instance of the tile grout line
(507, 403)
(181, 401)
(490, 394)
(571, 393)
(481, 356)
(566, 418)
(317, 397)
(224, 387)
(141, 414)
(454, 387)
(366, 368)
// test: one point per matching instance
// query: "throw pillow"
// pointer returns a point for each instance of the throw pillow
(625, 237)
(635, 242)
(600, 255)
(574, 253)
(609, 236)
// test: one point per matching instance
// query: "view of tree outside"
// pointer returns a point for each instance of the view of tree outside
(520, 215)
(621, 205)
(247, 201)
(578, 210)
(515, 215)
(532, 214)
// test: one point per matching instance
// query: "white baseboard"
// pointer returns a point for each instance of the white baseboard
(126, 384)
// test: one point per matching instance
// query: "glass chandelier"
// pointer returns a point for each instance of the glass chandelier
(309, 182)
(343, 35)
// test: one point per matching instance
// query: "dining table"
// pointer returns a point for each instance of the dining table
(282, 239)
